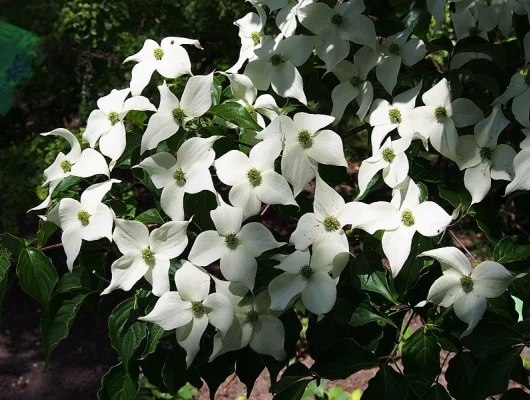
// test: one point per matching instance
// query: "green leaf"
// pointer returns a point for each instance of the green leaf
(366, 313)
(66, 183)
(292, 374)
(516, 394)
(421, 359)
(511, 248)
(12, 244)
(367, 273)
(118, 384)
(151, 216)
(55, 324)
(237, 114)
(436, 392)
(174, 372)
(386, 384)
(37, 275)
(77, 280)
(45, 231)
(455, 196)
(476, 44)
(4, 275)
(489, 337)
(342, 359)
(293, 392)
(248, 367)
(422, 170)
(459, 375)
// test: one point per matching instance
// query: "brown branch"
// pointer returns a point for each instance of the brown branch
(355, 130)
(51, 247)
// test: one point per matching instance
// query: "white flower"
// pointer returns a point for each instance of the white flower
(465, 287)
(172, 113)
(390, 158)
(169, 59)
(106, 123)
(437, 9)
(440, 117)
(504, 9)
(354, 84)
(305, 145)
(482, 158)
(276, 66)
(385, 117)
(76, 162)
(189, 310)
(521, 166)
(286, 17)
(476, 20)
(335, 28)
(331, 213)
(188, 173)
(236, 246)
(427, 218)
(146, 254)
(88, 219)
(253, 178)
(519, 90)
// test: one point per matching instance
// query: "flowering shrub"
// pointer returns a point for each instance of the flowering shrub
(216, 206)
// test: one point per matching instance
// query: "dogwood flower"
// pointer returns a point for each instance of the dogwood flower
(253, 178)
(190, 309)
(519, 90)
(79, 163)
(335, 28)
(106, 123)
(172, 113)
(276, 65)
(440, 117)
(188, 173)
(286, 17)
(146, 254)
(427, 218)
(390, 158)
(521, 166)
(170, 59)
(482, 158)
(305, 145)
(236, 246)
(465, 287)
(331, 213)
(476, 20)
(87, 220)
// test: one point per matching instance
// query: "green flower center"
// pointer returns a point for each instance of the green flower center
(148, 255)
(305, 139)
(254, 177)
(66, 166)
(197, 308)
(232, 241)
(306, 271)
(440, 113)
(394, 48)
(179, 176)
(178, 115)
(467, 283)
(355, 81)
(113, 117)
(84, 217)
(395, 115)
(276, 59)
(250, 108)
(407, 218)
(252, 316)
(158, 53)
(388, 154)
(473, 31)
(255, 37)
(486, 153)
(337, 19)
(331, 224)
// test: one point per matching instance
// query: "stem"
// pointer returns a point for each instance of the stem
(399, 337)
(355, 130)
(461, 244)
(442, 367)
(51, 247)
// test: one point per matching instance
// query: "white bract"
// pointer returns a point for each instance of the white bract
(465, 287)
(521, 166)
(188, 173)
(482, 158)
(253, 178)
(170, 59)
(286, 17)
(146, 254)
(173, 114)
(88, 219)
(190, 309)
(476, 20)
(519, 91)
(106, 123)
(236, 246)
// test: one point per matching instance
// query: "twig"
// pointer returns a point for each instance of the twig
(442, 367)
(355, 130)
(51, 247)
(461, 244)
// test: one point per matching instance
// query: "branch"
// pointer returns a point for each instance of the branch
(51, 247)
(355, 130)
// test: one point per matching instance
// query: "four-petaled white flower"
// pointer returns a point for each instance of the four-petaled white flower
(172, 113)
(146, 254)
(169, 59)
(476, 20)
(286, 17)
(465, 287)
(521, 167)
(190, 309)
(106, 123)
(519, 90)
(88, 219)
(236, 246)
(188, 173)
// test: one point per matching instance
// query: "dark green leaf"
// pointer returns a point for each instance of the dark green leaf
(489, 337)
(248, 367)
(476, 44)
(151, 216)
(511, 248)
(459, 375)
(12, 244)
(235, 113)
(4, 275)
(516, 394)
(174, 371)
(152, 367)
(422, 170)
(117, 384)
(421, 359)
(292, 374)
(293, 392)
(77, 280)
(436, 392)
(386, 384)
(45, 231)
(366, 313)
(66, 183)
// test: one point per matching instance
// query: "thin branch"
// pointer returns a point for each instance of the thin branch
(355, 130)
(464, 247)
(51, 247)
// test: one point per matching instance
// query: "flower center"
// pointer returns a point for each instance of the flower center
(440, 113)
(179, 176)
(407, 218)
(251, 110)
(473, 31)
(66, 166)
(232, 241)
(255, 37)
(113, 117)
(276, 59)
(486, 153)
(84, 217)
(395, 115)
(158, 53)
(394, 48)
(252, 316)
(388, 154)
(337, 19)
(197, 308)
(178, 115)
(305, 139)
(467, 283)
(254, 177)
(306, 271)
(331, 224)
(355, 81)
(148, 255)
